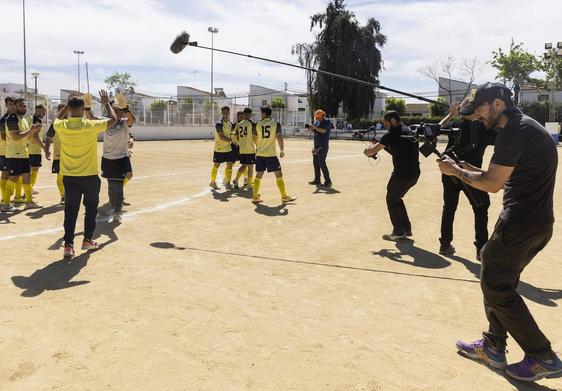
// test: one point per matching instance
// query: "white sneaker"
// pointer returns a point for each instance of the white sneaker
(8, 208)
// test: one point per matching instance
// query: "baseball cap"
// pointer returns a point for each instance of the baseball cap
(486, 92)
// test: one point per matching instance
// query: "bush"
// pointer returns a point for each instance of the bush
(437, 110)
(396, 104)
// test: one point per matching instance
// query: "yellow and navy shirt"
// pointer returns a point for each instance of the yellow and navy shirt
(16, 149)
(56, 142)
(244, 133)
(33, 148)
(267, 130)
(79, 145)
(224, 128)
(3, 134)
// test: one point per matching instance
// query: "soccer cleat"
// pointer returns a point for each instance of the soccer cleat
(213, 185)
(257, 200)
(394, 237)
(88, 245)
(68, 252)
(447, 249)
(478, 350)
(531, 369)
(32, 205)
(19, 200)
(288, 199)
(8, 208)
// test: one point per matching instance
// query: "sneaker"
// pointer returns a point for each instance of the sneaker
(117, 217)
(257, 200)
(327, 184)
(88, 245)
(314, 182)
(32, 205)
(288, 199)
(213, 185)
(531, 369)
(61, 201)
(477, 350)
(447, 249)
(125, 203)
(394, 237)
(68, 252)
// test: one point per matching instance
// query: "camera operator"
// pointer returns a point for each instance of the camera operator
(524, 164)
(321, 129)
(405, 159)
(469, 144)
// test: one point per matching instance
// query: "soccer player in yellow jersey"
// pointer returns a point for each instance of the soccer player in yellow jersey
(244, 135)
(53, 138)
(11, 108)
(17, 132)
(266, 132)
(223, 150)
(35, 145)
(79, 167)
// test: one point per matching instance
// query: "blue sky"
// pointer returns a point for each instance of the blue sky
(134, 36)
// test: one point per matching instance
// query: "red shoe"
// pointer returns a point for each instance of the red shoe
(88, 245)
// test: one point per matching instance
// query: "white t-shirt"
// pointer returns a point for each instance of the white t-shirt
(115, 141)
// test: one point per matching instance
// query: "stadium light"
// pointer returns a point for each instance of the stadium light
(213, 31)
(78, 53)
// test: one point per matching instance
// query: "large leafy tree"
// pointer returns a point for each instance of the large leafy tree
(515, 67)
(307, 58)
(396, 104)
(345, 47)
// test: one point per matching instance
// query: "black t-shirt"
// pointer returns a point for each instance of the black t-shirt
(322, 139)
(473, 140)
(404, 151)
(527, 146)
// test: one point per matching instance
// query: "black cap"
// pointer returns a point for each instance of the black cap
(484, 93)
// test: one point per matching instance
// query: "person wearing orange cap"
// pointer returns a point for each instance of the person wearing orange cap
(321, 129)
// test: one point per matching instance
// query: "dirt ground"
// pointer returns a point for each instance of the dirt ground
(201, 291)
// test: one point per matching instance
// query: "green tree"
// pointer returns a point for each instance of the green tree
(515, 67)
(437, 110)
(278, 103)
(396, 104)
(307, 58)
(120, 82)
(159, 105)
(345, 47)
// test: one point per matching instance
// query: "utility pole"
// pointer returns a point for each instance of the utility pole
(78, 53)
(213, 31)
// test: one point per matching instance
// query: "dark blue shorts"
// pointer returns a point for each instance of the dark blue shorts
(270, 163)
(35, 160)
(3, 163)
(223, 157)
(247, 158)
(16, 167)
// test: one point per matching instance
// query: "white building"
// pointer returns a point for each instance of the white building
(530, 94)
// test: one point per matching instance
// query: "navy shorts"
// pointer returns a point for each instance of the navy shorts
(3, 163)
(35, 160)
(115, 168)
(17, 167)
(270, 163)
(247, 158)
(235, 152)
(223, 157)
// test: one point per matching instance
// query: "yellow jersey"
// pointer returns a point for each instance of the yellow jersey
(79, 145)
(244, 133)
(267, 130)
(225, 128)
(33, 148)
(16, 149)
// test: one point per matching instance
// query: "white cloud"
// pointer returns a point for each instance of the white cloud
(135, 35)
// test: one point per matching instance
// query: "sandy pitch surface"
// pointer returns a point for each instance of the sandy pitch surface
(201, 291)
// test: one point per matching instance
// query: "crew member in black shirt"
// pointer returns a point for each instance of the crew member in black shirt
(524, 164)
(403, 147)
(469, 144)
(321, 128)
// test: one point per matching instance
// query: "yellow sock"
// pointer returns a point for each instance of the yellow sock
(281, 186)
(214, 173)
(125, 181)
(257, 183)
(34, 175)
(27, 190)
(228, 175)
(3, 185)
(60, 185)
(238, 175)
(8, 191)
(18, 187)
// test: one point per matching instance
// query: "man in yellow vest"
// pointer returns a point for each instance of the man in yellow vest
(266, 133)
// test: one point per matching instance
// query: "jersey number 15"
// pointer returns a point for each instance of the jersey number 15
(265, 133)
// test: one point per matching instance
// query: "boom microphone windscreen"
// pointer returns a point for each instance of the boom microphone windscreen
(180, 42)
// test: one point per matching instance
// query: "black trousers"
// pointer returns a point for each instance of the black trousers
(74, 189)
(451, 191)
(319, 161)
(395, 191)
(509, 250)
